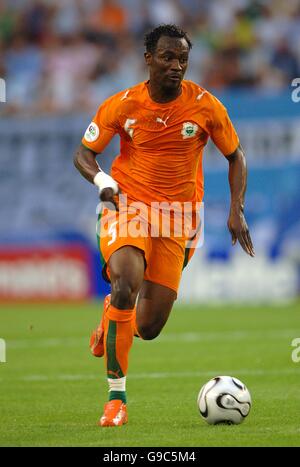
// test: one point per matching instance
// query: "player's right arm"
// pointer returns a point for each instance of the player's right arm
(97, 136)
(85, 162)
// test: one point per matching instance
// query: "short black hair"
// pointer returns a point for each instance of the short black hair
(170, 30)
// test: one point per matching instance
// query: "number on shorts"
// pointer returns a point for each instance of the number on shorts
(113, 232)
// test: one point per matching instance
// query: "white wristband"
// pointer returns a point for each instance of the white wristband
(103, 180)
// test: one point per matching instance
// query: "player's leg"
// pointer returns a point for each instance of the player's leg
(111, 238)
(126, 269)
(155, 300)
(118, 295)
(159, 289)
(154, 305)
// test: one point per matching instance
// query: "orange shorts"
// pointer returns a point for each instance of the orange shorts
(165, 257)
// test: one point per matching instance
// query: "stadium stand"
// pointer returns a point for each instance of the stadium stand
(61, 59)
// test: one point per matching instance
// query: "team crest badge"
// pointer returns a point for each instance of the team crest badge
(189, 130)
(92, 132)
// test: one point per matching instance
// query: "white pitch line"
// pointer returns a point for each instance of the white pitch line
(167, 337)
(229, 335)
(157, 375)
(46, 343)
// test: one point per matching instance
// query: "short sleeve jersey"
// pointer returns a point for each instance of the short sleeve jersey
(161, 145)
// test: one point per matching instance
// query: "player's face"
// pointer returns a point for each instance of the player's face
(168, 64)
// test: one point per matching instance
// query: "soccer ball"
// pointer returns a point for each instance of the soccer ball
(224, 399)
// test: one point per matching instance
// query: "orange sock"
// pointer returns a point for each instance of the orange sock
(118, 338)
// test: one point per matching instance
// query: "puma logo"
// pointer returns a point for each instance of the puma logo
(114, 373)
(200, 95)
(164, 122)
(125, 95)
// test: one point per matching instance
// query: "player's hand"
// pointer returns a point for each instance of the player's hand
(107, 197)
(238, 228)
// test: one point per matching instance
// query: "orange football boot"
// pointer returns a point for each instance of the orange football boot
(115, 414)
(96, 340)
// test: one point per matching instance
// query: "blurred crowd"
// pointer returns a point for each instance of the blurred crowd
(63, 56)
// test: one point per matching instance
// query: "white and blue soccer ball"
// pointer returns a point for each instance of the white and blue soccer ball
(224, 399)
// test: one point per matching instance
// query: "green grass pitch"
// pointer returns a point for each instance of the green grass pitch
(53, 390)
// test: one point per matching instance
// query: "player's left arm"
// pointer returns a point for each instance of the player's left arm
(237, 225)
(226, 139)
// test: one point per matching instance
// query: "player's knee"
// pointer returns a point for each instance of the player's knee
(123, 294)
(149, 333)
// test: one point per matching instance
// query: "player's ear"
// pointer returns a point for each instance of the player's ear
(148, 58)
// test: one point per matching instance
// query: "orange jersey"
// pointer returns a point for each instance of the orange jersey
(161, 144)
